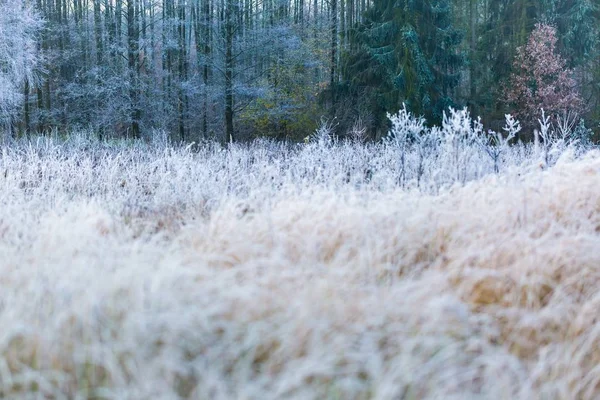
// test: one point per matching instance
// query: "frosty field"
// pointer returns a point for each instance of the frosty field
(317, 271)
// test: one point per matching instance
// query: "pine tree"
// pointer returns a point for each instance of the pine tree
(406, 52)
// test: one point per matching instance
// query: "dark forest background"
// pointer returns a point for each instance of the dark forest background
(240, 69)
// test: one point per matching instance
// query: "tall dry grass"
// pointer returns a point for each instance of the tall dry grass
(151, 272)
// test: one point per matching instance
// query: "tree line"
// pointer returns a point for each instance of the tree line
(238, 69)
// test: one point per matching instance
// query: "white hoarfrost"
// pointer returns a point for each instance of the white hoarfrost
(323, 271)
(18, 55)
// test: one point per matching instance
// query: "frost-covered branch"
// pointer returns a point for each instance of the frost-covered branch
(19, 25)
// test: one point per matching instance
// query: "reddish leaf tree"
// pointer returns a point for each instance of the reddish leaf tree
(541, 79)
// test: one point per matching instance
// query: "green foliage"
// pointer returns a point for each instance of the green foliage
(288, 110)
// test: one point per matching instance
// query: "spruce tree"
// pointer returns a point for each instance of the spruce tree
(406, 52)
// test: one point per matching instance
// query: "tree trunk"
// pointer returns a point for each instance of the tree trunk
(202, 34)
(98, 32)
(182, 100)
(132, 63)
(229, 135)
(27, 118)
(473, 55)
(334, 43)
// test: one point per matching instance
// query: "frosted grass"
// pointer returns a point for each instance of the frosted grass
(320, 271)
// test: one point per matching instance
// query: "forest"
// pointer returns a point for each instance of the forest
(231, 70)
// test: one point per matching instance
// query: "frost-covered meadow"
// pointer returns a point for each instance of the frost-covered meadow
(431, 265)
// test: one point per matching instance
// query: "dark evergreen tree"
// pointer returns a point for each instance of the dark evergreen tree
(505, 25)
(406, 52)
(578, 25)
